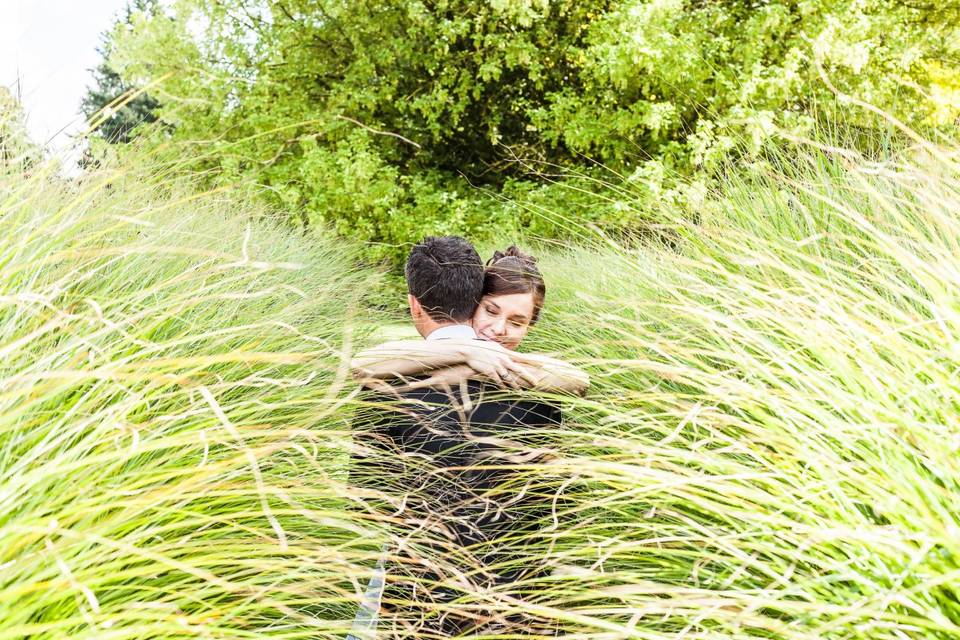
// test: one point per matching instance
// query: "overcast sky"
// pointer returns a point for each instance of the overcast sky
(49, 45)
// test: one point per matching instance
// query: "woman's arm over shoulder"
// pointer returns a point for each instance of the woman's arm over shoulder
(400, 358)
(469, 359)
(554, 374)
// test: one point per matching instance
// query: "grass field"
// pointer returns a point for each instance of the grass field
(768, 449)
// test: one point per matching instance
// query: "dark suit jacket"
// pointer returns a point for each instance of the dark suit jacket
(448, 453)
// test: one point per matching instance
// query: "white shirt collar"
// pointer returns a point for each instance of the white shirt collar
(459, 331)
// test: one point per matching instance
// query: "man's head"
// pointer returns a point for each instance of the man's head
(444, 282)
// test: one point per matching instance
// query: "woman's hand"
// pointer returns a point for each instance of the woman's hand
(496, 363)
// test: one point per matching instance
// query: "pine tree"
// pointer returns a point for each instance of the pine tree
(119, 126)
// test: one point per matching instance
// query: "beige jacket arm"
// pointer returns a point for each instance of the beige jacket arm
(402, 358)
(554, 374)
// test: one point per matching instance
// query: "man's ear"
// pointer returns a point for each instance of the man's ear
(415, 309)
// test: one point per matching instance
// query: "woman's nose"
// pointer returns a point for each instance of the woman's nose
(500, 327)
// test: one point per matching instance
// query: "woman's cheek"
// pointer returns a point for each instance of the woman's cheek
(479, 322)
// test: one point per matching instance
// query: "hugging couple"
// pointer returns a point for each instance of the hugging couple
(442, 446)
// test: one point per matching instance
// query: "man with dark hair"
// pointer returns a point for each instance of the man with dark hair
(436, 454)
(444, 283)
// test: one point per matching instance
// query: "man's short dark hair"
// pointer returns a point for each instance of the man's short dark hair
(445, 275)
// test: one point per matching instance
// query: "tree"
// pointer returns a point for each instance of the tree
(16, 148)
(376, 116)
(109, 86)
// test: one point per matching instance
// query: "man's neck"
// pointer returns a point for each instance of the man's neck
(447, 331)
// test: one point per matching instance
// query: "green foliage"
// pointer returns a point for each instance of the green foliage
(118, 127)
(377, 116)
(769, 446)
(17, 150)
(693, 81)
(110, 102)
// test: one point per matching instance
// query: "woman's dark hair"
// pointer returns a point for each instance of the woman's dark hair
(513, 271)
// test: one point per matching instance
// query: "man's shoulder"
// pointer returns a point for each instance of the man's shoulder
(421, 400)
(495, 404)
(482, 400)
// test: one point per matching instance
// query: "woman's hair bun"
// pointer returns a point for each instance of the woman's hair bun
(512, 252)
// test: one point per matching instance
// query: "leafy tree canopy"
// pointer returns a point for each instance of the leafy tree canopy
(369, 115)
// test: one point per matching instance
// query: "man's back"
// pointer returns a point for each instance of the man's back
(447, 447)
(447, 459)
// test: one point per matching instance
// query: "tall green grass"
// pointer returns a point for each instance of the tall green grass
(173, 396)
(771, 447)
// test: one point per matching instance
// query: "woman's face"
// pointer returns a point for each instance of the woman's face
(504, 319)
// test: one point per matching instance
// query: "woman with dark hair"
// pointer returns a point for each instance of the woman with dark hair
(513, 296)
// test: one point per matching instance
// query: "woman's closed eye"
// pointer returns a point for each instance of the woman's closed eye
(515, 321)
